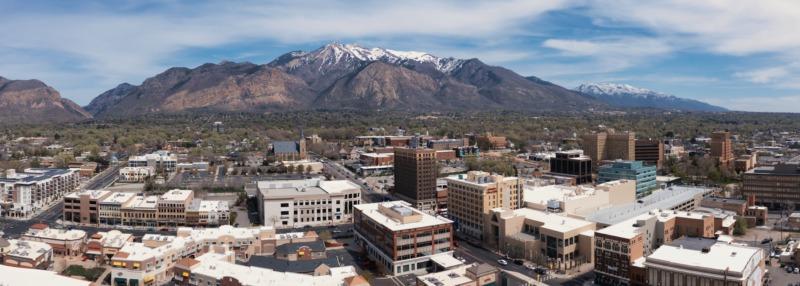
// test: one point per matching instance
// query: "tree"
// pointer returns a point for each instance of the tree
(740, 228)
(290, 169)
(308, 169)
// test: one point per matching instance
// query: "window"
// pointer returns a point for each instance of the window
(285, 205)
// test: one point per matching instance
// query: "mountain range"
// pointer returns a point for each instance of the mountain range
(623, 95)
(32, 101)
(340, 76)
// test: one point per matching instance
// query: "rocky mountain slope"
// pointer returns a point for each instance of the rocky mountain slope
(33, 102)
(339, 76)
(623, 95)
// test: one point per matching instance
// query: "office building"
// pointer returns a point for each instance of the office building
(136, 174)
(621, 248)
(602, 146)
(572, 164)
(110, 208)
(401, 239)
(472, 196)
(650, 151)
(415, 175)
(677, 198)
(21, 194)
(699, 261)
(161, 161)
(447, 144)
(308, 202)
(721, 148)
(555, 240)
(777, 187)
(579, 201)
(645, 176)
(83, 207)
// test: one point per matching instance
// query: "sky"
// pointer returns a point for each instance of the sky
(742, 55)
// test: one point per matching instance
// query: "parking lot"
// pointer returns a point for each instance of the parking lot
(780, 276)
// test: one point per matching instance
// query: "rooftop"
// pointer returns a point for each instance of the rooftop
(208, 206)
(14, 276)
(118, 198)
(177, 195)
(663, 199)
(27, 249)
(316, 186)
(93, 194)
(404, 208)
(144, 203)
(32, 175)
(708, 257)
(212, 265)
(552, 221)
(57, 234)
(453, 277)
(630, 227)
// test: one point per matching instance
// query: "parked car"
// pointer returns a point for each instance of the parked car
(502, 262)
(540, 271)
(766, 240)
(519, 261)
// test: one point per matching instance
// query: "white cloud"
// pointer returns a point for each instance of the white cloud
(115, 44)
(785, 103)
(604, 55)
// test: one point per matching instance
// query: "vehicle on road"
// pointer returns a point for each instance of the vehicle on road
(519, 261)
(502, 262)
(766, 240)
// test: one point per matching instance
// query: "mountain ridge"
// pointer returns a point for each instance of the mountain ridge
(625, 96)
(344, 76)
(32, 101)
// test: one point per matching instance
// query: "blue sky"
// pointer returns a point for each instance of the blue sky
(743, 55)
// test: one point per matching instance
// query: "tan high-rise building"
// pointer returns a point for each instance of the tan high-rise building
(721, 148)
(415, 177)
(472, 196)
(601, 146)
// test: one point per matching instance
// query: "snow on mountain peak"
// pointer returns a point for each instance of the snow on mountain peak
(335, 52)
(617, 89)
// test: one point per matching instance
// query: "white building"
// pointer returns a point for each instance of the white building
(215, 267)
(136, 174)
(312, 202)
(579, 201)
(705, 262)
(160, 160)
(64, 242)
(21, 194)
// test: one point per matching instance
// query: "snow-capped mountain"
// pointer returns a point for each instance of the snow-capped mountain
(336, 53)
(624, 95)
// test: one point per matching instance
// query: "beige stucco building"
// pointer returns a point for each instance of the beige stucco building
(472, 196)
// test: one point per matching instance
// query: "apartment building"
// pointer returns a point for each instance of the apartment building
(643, 175)
(555, 240)
(721, 148)
(776, 187)
(572, 164)
(472, 196)
(650, 151)
(400, 238)
(308, 202)
(620, 249)
(415, 175)
(23, 193)
(83, 207)
(26, 254)
(723, 263)
(64, 242)
(601, 146)
(160, 161)
(136, 174)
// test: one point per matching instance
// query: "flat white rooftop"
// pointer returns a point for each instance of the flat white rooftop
(717, 259)
(555, 222)
(176, 195)
(211, 265)
(14, 276)
(316, 186)
(118, 198)
(371, 211)
(663, 199)
(93, 194)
